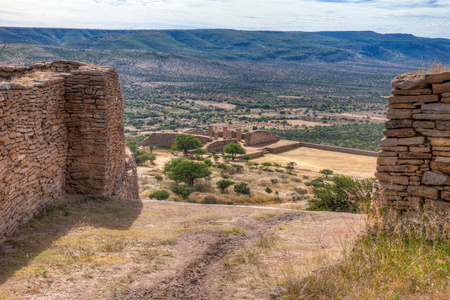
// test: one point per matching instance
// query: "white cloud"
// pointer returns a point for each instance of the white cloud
(420, 17)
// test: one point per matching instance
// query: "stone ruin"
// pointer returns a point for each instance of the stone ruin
(61, 133)
(413, 166)
(258, 137)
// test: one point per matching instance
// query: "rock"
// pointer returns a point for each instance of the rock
(417, 140)
(441, 88)
(403, 132)
(409, 81)
(437, 107)
(393, 113)
(434, 178)
(414, 155)
(437, 77)
(439, 142)
(392, 179)
(384, 161)
(399, 124)
(411, 92)
(434, 133)
(388, 142)
(423, 191)
(413, 99)
(277, 292)
(440, 166)
(423, 124)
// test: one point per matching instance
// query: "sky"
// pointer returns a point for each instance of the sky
(425, 18)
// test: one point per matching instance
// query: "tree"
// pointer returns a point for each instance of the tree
(181, 169)
(185, 143)
(151, 148)
(200, 151)
(247, 158)
(182, 191)
(145, 157)
(223, 184)
(290, 166)
(234, 149)
(242, 188)
(326, 172)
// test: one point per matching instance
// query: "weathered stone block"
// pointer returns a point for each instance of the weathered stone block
(441, 88)
(413, 99)
(409, 81)
(384, 161)
(402, 132)
(392, 124)
(392, 179)
(418, 140)
(440, 166)
(434, 178)
(411, 92)
(423, 191)
(423, 124)
(437, 77)
(393, 113)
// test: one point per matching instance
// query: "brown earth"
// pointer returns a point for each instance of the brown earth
(169, 250)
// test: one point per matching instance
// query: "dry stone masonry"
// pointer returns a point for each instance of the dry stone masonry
(413, 166)
(260, 137)
(61, 132)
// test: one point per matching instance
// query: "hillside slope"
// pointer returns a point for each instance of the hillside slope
(235, 45)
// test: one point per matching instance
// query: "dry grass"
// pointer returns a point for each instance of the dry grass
(398, 258)
(316, 160)
(293, 249)
(436, 67)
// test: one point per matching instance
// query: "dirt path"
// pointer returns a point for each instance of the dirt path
(168, 250)
(201, 267)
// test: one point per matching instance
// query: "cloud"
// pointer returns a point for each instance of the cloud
(419, 17)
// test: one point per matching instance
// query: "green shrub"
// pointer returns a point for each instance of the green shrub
(268, 190)
(160, 195)
(182, 191)
(266, 164)
(242, 188)
(145, 157)
(158, 177)
(344, 194)
(223, 184)
(318, 182)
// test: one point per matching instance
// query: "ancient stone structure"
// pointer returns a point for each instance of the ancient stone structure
(210, 131)
(282, 148)
(239, 134)
(338, 149)
(218, 145)
(225, 132)
(166, 139)
(61, 132)
(260, 137)
(413, 166)
(195, 131)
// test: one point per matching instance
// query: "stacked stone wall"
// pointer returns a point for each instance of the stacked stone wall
(218, 145)
(282, 148)
(166, 139)
(413, 166)
(260, 137)
(340, 149)
(61, 133)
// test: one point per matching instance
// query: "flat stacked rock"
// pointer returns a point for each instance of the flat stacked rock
(413, 166)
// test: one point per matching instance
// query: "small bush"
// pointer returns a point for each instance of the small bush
(268, 190)
(210, 199)
(182, 191)
(158, 177)
(242, 188)
(145, 157)
(266, 164)
(160, 195)
(223, 184)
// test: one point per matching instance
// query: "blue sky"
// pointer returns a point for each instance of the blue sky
(428, 18)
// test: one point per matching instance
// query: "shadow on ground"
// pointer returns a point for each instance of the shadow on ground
(52, 224)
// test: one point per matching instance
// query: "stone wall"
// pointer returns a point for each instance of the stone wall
(218, 145)
(260, 137)
(60, 133)
(282, 148)
(340, 149)
(166, 139)
(413, 166)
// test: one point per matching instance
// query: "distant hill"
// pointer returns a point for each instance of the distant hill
(234, 45)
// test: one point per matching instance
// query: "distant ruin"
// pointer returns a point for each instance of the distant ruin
(61, 133)
(413, 166)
